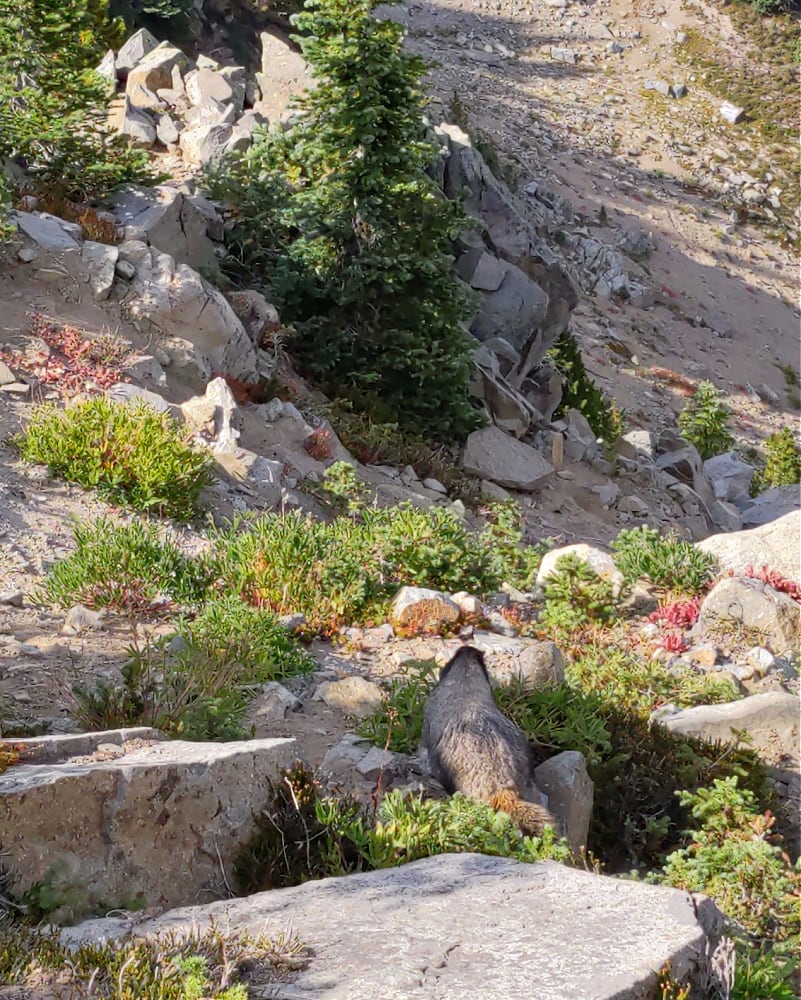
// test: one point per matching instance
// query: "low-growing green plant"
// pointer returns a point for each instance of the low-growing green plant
(197, 965)
(198, 681)
(704, 421)
(304, 834)
(346, 571)
(581, 393)
(764, 974)
(342, 484)
(575, 596)
(732, 859)
(782, 464)
(668, 562)
(127, 452)
(398, 725)
(127, 567)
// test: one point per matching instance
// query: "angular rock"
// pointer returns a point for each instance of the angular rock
(172, 300)
(124, 392)
(101, 260)
(423, 608)
(136, 125)
(743, 603)
(45, 230)
(80, 619)
(167, 220)
(203, 85)
(206, 143)
(284, 75)
(570, 792)
(491, 454)
(468, 917)
(580, 442)
(108, 71)
(510, 410)
(599, 561)
(731, 113)
(272, 704)
(355, 696)
(770, 719)
(514, 309)
(637, 445)
(376, 762)
(262, 475)
(168, 131)
(52, 749)
(730, 477)
(771, 505)
(134, 49)
(258, 316)
(161, 824)
(213, 415)
(154, 69)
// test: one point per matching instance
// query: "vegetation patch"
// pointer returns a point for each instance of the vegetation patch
(71, 361)
(198, 681)
(127, 567)
(305, 834)
(53, 105)
(782, 463)
(347, 571)
(669, 563)
(581, 393)
(704, 421)
(129, 453)
(208, 965)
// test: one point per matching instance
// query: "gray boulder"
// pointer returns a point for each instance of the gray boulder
(729, 476)
(161, 823)
(570, 791)
(199, 329)
(771, 505)
(744, 605)
(771, 720)
(491, 454)
(775, 545)
(465, 921)
(166, 219)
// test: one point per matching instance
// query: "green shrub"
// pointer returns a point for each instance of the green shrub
(208, 964)
(704, 421)
(783, 464)
(338, 215)
(398, 726)
(7, 228)
(127, 567)
(53, 105)
(198, 681)
(672, 563)
(304, 835)
(575, 596)
(168, 19)
(129, 453)
(346, 571)
(731, 858)
(581, 393)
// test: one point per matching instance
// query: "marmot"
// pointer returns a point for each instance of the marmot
(473, 748)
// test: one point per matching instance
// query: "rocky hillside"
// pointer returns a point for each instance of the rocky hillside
(246, 518)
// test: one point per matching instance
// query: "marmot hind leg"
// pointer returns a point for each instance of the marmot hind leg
(529, 816)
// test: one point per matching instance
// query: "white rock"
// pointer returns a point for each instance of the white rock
(491, 454)
(600, 561)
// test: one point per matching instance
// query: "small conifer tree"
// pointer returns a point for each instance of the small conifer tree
(338, 215)
(53, 104)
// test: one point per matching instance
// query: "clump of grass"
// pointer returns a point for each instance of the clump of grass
(197, 682)
(127, 452)
(575, 597)
(670, 563)
(127, 567)
(211, 964)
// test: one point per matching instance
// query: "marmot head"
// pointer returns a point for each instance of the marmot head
(466, 664)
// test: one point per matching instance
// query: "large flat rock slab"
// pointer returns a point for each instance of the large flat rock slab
(156, 824)
(776, 545)
(465, 925)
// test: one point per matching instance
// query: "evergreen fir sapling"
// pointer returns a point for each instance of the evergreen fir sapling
(338, 215)
(53, 105)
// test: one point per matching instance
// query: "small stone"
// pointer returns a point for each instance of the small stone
(633, 505)
(374, 762)
(125, 269)
(660, 86)
(79, 619)
(761, 659)
(731, 113)
(704, 656)
(292, 623)
(27, 255)
(423, 608)
(12, 598)
(468, 604)
(354, 696)
(677, 90)
(564, 55)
